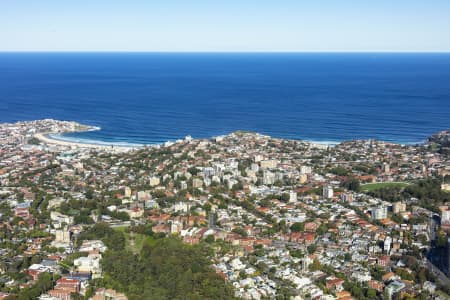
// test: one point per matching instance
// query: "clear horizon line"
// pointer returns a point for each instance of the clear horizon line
(230, 52)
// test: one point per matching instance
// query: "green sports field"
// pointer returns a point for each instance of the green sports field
(378, 185)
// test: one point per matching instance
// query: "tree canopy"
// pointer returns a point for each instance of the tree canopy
(167, 269)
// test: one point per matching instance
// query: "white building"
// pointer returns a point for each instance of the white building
(328, 192)
(236, 264)
(127, 192)
(254, 167)
(305, 170)
(176, 227)
(154, 181)
(231, 182)
(379, 213)
(91, 245)
(445, 217)
(268, 177)
(58, 219)
(183, 185)
(89, 264)
(269, 164)
(182, 207)
(387, 244)
(292, 196)
(258, 158)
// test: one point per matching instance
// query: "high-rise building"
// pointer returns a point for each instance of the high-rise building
(387, 245)
(292, 196)
(379, 213)
(268, 177)
(398, 207)
(327, 192)
(183, 185)
(127, 192)
(305, 170)
(386, 168)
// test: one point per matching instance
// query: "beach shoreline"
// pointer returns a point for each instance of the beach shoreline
(53, 133)
(45, 138)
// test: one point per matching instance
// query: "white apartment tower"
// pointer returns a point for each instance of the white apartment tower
(328, 192)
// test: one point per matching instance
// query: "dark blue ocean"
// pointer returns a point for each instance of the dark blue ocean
(151, 98)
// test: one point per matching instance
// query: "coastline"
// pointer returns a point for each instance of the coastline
(56, 139)
(45, 138)
(53, 133)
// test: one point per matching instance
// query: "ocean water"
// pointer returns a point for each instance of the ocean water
(155, 97)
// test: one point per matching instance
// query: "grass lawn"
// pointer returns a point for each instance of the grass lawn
(135, 241)
(375, 186)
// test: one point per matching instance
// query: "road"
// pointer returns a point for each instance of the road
(438, 273)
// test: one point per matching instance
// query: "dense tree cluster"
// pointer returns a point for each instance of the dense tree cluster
(351, 183)
(166, 269)
(298, 227)
(359, 291)
(340, 171)
(44, 283)
(113, 239)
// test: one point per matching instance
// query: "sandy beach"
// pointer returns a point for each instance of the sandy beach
(43, 137)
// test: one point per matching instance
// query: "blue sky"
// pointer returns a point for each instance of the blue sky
(229, 25)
